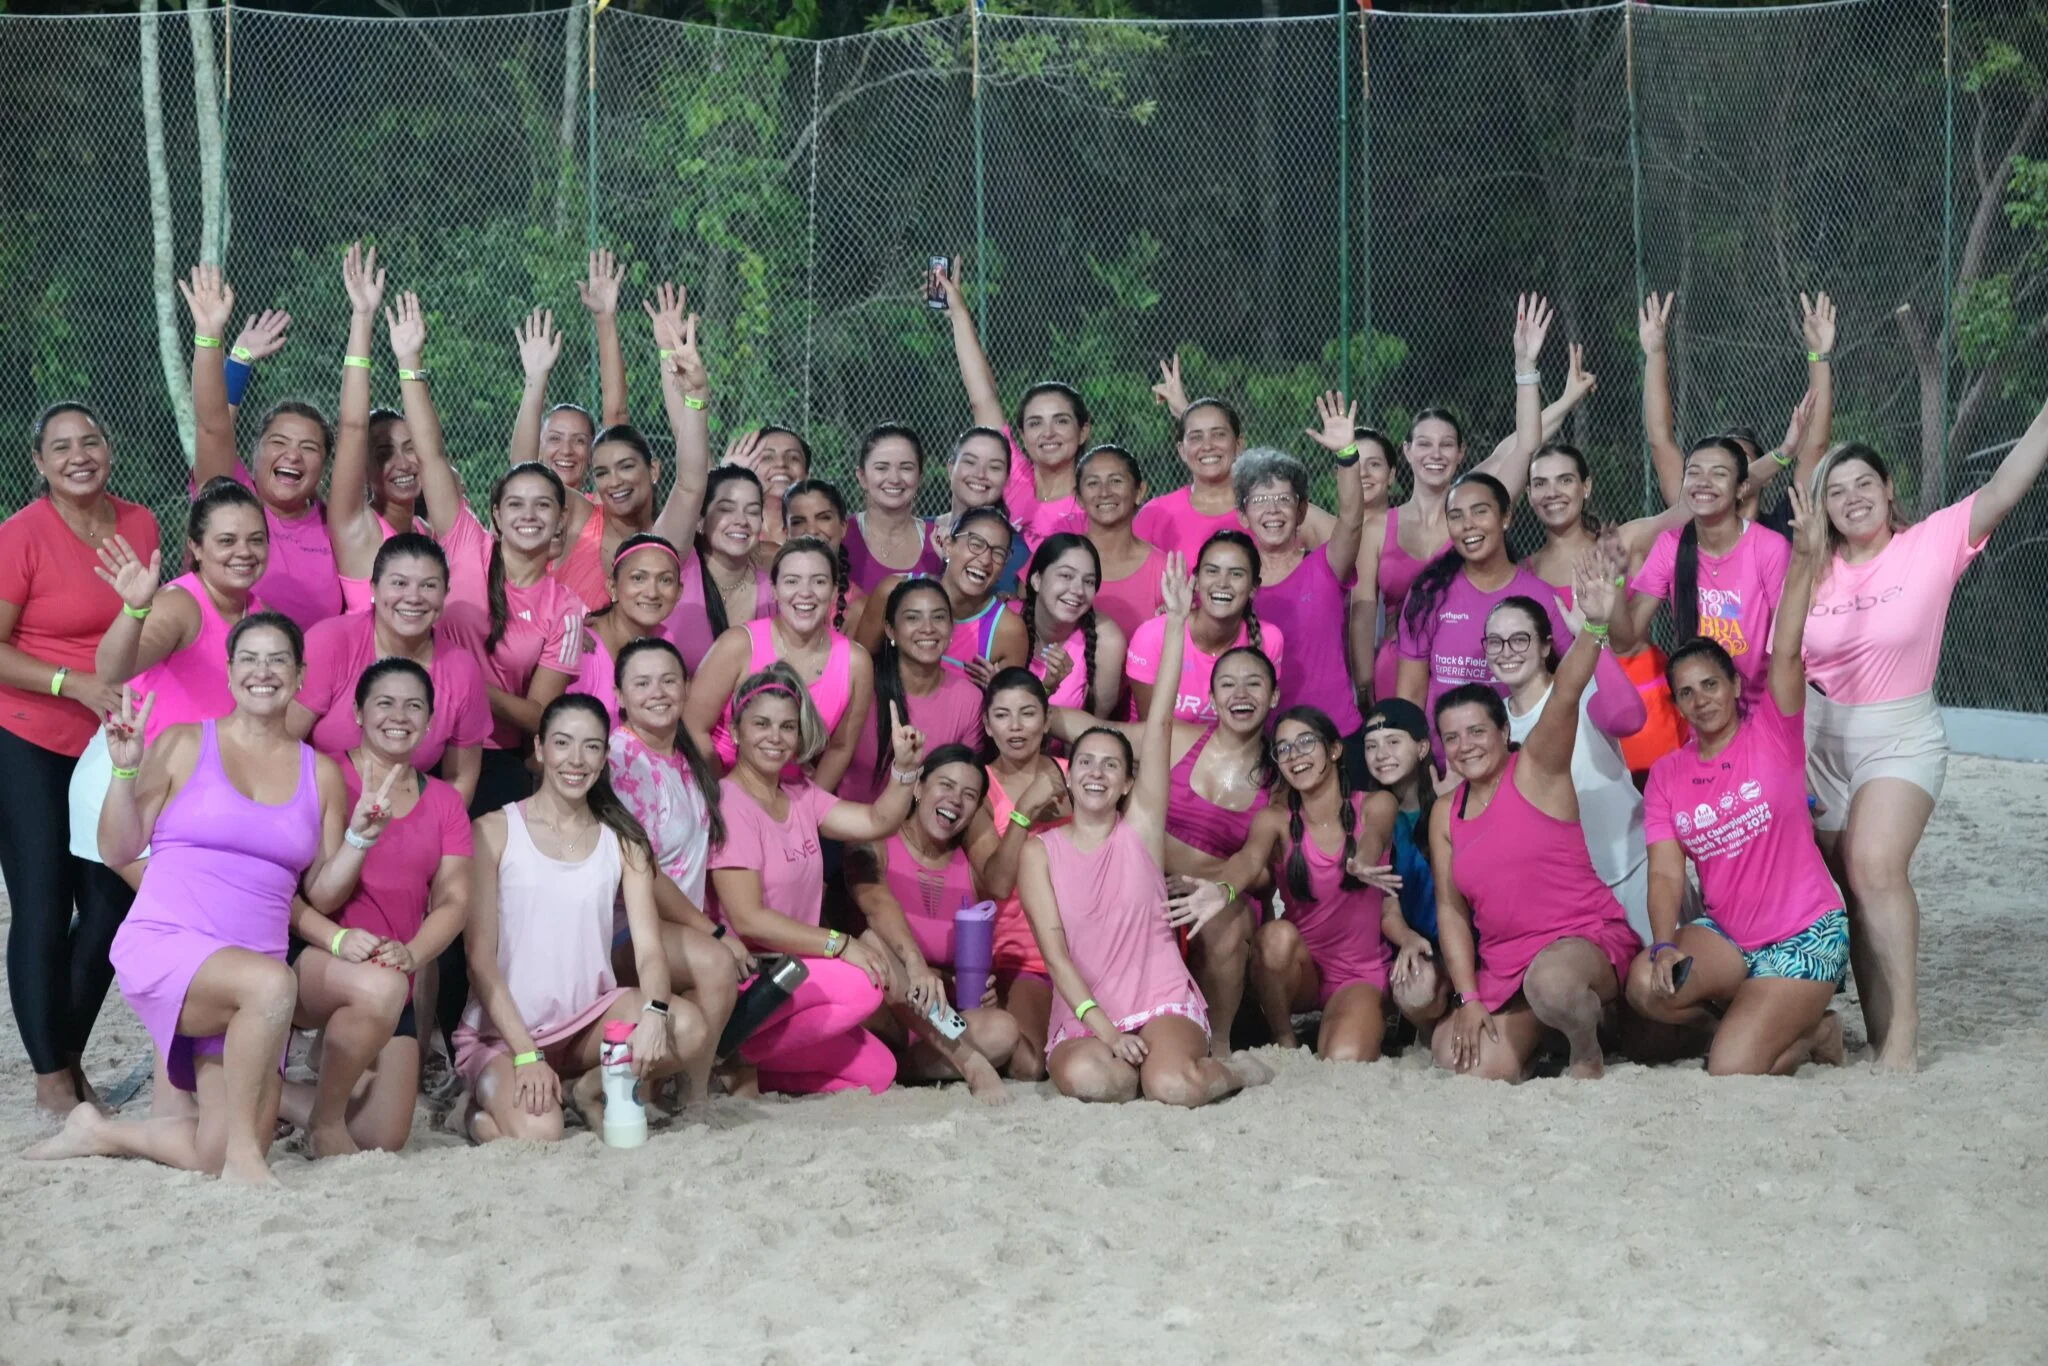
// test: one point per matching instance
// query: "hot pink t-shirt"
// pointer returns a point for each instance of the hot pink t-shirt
(1874, 634)
(1141, 664)
(392, 896)
(1171, 522)
(543, 630)
(1037, 520)
(337, 652)
(1742, 819)
(300, 579)
(949, 714)
(1454, 643)
(787, 854)
(1738, 594)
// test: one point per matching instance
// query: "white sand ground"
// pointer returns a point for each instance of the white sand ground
(1345, 1213)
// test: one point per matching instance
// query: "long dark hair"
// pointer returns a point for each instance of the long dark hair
(1325, 731)
(702, 771)
(604, 803)
(714, 596)
(829, 491)
(1250, 549)
(889, 664)
(1685, 572)
(494, 579)
(1427, 592)
(1056, 545)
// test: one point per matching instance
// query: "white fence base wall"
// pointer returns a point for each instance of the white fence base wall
(1997, 734)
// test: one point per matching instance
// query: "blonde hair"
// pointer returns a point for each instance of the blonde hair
(779, 680)
(1817, 490)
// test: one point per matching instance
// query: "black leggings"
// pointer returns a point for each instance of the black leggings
(57, 968)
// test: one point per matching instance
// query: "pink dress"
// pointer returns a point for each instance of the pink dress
(221, 875)
(688, 628)
(831, 694)
(928, 896)
(1530, 882)
(950, 714)
(191, 684)
(1015, 952)
(554, 944)
(868, 572)
(1131, 600)
(1112, 904)
(337, 652)
(1398, 570)
(1172, 522)
(1339, 927)
(1311, 609)
(1196, 821)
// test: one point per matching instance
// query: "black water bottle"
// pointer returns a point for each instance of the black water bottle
(779, 977)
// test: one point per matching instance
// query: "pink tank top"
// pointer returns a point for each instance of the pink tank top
(1339, 926)
(928, 896)
(1131, 599)
(355, 593)
(688, 628)
(868, 572)
(831, 694)
(1016, 947)
(1196, 821)
(1529, 881)
(554, 929)
(582, 565)
(1112, 904)
(1074, 688)
(300, 579)
(1398, 572)
(192, 684)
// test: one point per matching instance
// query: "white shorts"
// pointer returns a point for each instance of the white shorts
(1848, 744)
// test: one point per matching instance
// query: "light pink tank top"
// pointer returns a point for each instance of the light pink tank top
(1073, 689)
(192, 684)
(554, 929)
(1112, 904)
(928, 896)
(831, 694)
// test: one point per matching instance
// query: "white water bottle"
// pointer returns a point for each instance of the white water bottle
(625, 1122)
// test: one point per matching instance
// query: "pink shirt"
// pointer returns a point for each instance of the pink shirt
(949, 714)
(1037, 520)
(1128, 601)
(300, 579)
(1141, 663)
(832, 694)
(663, 796)
(594, 675)
(1738, 595)
(1743, 820)
(394, 893)
(543, 630)
(1454, 643)
(1311, 608)
(928, 896)
(468, 548)
(582, 565)
(1874, 634)
(191, 684)
(787, 853)
(337, 652)
(1172, 522)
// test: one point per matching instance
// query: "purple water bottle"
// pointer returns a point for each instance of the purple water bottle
(974, 937)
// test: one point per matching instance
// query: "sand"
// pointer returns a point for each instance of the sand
(1345, 1213)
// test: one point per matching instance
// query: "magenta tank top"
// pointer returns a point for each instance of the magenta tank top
(1112, 905)
(688, 628)
(1339, 926)
(831, 694)
(928, 896)
(1398, 569)
(1529, 880)
(1196, 821)
(974, 636)
(355, 593)
(192, 684)
(868, 572)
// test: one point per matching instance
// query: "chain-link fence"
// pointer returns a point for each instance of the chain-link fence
(1348, 200)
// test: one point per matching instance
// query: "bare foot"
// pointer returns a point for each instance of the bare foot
(1826, 1041)
(1896, 1060)
(83, 1135)
(982, 1082)
(83, 1085)
(1248, 1069)
(586, 1097)
(56, 1095)
(1590, 1069)
(249, 1170)
(330, 1140)
(737, 1079)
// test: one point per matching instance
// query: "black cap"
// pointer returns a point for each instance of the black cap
(1397, 713)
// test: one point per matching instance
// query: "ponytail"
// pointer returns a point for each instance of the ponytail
(1685, 583)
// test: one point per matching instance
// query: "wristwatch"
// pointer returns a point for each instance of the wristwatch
(423, 374)
(1459, 999)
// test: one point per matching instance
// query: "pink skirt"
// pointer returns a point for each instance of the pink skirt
(1193, 1008)
(474, 1051)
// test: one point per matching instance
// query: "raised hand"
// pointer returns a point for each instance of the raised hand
(666, 311)
(1653, 322)
(363, 280)
(124, 572)
(124, 724)
(601, 291)
(406, 326)
(1795, 429)
(209, 299)
(906, 742)
(1176, 588)
(1170, 391)
(1339, 419)
(947, 282)
(744, 450)
(263, 334)
(1594, 590)
(540, 346)
(1817, 323)
(1809, 524)
(1533, 316)
(688, 362)
(1579, 382)
(373, 809)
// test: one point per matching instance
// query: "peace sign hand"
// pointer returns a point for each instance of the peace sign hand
(373, 809)
(1653, 322)
(687, 364)
(1170, 390)
(121, 570)
(125, 725)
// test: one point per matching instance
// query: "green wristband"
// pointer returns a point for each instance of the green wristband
(356, 362)
(695, 405)
(334, 944)
(212, 343)
(1784, 461)
(244, 355)
(526, 1059)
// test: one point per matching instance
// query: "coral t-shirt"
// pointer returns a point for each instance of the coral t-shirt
(787, 854)
(1172, 522)
(1874, 634)
(1742, 818)
(392, 895)
(1738, 595)
(1141, 663)
(337, 652)
(47, 572)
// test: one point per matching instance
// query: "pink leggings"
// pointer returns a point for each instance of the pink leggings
(818, 1041)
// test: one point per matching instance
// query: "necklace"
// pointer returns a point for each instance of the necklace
(726, 590)
(90, 533)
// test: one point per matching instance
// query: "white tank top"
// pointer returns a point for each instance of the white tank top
(1610, 808)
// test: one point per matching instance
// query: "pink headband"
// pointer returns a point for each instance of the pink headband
(739, 704)
(662, 546)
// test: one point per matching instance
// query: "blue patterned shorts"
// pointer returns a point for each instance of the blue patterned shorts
(1818, 953)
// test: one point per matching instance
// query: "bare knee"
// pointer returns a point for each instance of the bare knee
(271, 990)
(1878, 873)
(1278, 943)
(1737, 1062)
(1026, 1063)
(1363, 1049)
(688, 1030)
(994, 1034)
(1559, 991)
(1101, 1080)
(542, 1128)
(1641, 992)
(1180, 1084)
(382, 994)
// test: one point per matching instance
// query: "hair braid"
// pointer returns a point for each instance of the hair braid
(1347, 816)
(1088, 656)
(1297, 860)
(845, 582)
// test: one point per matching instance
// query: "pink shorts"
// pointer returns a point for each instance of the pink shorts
(1193, 1009)
(474, 1051)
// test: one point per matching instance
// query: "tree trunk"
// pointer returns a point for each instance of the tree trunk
(170, 352)
(213, 180)
(573, 21)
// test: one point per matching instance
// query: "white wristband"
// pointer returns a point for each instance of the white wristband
(356, 841)
(1528, 377)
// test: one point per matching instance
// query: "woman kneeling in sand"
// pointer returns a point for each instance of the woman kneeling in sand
(539, 937)
(1095, 891)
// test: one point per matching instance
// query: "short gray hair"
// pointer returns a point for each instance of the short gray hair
(1264, 465)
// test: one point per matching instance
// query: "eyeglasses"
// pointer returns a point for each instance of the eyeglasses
(1516, 644)
(1279, 500)
(974, 547)
(1302, 745)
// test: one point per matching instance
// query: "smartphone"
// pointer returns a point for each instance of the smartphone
(934, 292)
(1681, 970)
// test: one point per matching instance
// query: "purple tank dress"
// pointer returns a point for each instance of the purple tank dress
(221, 875)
